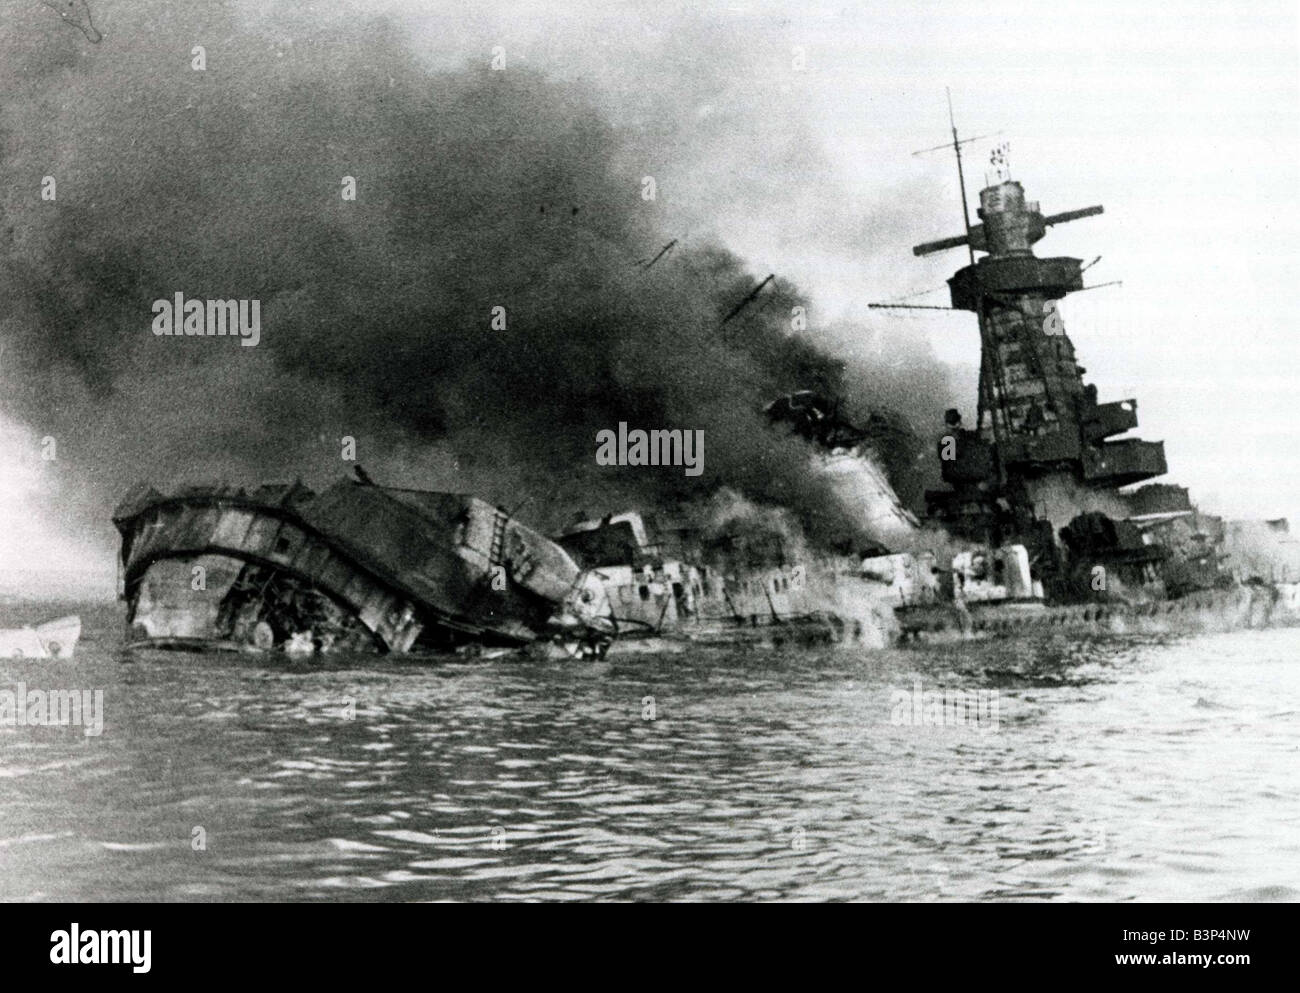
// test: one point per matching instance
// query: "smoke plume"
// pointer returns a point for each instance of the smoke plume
(475, 190)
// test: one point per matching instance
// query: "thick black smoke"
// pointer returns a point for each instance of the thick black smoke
(476, 189)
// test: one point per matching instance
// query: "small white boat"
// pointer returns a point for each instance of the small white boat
(55, 639)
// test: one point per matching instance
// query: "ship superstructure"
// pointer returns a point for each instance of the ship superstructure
(1040, 430)
(1043, 463)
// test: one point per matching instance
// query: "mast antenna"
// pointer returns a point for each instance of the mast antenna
(955, 145)
(961, 177)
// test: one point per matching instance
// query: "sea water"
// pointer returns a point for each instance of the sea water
(1113, 769)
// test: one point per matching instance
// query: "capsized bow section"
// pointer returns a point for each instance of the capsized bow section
(356, 567)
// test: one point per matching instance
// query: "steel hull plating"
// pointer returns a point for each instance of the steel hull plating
(356, 568)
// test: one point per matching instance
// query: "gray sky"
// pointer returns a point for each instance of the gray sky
(1181, 118)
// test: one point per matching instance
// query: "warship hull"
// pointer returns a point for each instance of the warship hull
(1247, 606)
(839, 607)
(355, 568)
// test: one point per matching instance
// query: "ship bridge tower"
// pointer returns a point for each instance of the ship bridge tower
(1038, 450)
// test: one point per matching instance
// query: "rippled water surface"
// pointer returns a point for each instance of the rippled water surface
(1118, 770)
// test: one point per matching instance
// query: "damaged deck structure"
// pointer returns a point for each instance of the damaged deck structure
(356, 567)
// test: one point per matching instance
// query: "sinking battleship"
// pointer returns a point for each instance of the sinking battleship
(1048, 519)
